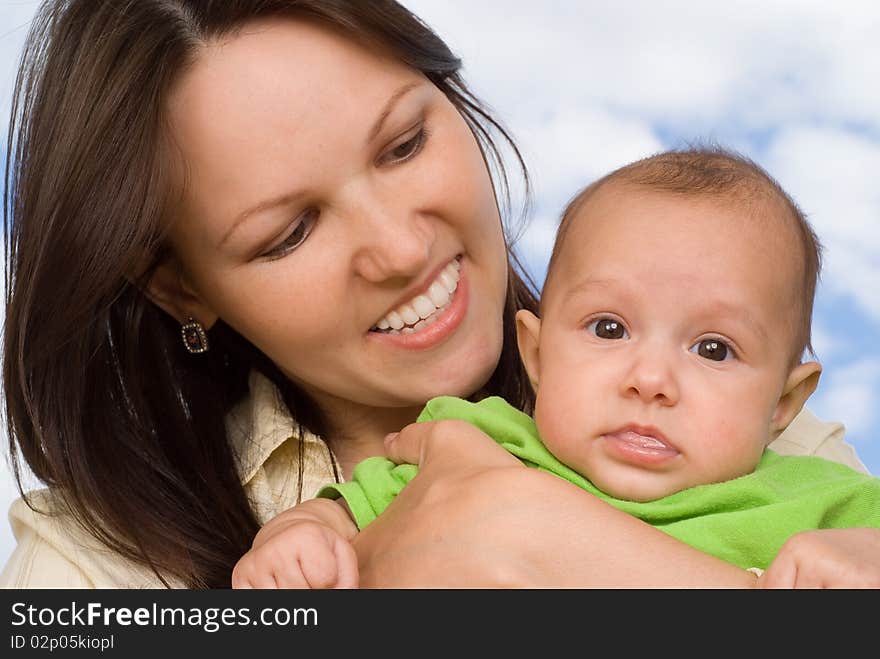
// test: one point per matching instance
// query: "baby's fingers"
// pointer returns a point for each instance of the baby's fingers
(247, 574)
(335, 566)
(319, 570)
(347, 564)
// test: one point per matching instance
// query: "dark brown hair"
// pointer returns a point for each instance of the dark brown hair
(714, 171)
(102, 401)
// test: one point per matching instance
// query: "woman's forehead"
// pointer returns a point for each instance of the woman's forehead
(284, 61)
(274, 105)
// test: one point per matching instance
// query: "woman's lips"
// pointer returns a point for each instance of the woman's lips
(640, 445)
(441, 328)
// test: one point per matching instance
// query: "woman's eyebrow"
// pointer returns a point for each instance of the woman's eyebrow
(389, 106)
(263, 206)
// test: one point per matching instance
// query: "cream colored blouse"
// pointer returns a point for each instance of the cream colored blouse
(53, 552)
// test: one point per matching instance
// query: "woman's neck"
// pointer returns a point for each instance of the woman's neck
(358, 433)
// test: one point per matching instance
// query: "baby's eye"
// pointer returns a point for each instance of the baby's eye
(714, 349)
(608, 328)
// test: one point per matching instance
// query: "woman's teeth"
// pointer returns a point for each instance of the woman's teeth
(422, 310)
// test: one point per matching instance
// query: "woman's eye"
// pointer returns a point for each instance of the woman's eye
(608, 328)
(405, 150)
(714, 349)
(301, 230)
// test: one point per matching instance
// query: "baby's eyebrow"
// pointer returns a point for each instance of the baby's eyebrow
(565, 295)
(737, 313)
(587, 283)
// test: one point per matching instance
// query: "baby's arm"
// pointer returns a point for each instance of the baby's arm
(307, 546)
(827, 558)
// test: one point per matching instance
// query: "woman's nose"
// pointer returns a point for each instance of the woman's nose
(394, 241)
(651, 377)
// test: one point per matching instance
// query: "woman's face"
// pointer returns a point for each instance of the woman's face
(329, 192)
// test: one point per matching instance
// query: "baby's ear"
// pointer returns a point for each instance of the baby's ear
(528, 334)
(799, 386)
(168, 289)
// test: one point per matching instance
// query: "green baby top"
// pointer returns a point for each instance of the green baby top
(743, 521)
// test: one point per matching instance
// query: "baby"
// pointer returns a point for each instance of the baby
(674, 318)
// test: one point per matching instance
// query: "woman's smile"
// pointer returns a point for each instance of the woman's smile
(425, 307)
(431, 316)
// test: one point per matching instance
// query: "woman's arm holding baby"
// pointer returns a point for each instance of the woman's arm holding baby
(475, 517)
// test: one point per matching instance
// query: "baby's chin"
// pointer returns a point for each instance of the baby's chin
(641, 492)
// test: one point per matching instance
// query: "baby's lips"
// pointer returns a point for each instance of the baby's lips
(645, 441)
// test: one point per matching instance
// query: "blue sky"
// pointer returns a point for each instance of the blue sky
(588, 86)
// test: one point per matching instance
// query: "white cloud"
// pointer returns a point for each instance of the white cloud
(693, 64)
(850, 393)
(566, 151)
(824, 342)
(832, 174)
(575, 145)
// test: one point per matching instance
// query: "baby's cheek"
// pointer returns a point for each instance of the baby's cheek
(555, 423)
(737, 450)
(544, 417)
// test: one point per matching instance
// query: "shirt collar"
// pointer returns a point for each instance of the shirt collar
(259, 424)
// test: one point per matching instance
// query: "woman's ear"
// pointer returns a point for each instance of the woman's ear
(169, 290)
(528, 334)
(800, 385)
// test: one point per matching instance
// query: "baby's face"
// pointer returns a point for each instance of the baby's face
(665, 341)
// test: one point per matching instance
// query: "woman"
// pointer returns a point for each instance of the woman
(308, 182)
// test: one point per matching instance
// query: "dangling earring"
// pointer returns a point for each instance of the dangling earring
(194, 338)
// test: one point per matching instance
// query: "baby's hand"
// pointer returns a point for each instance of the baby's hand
(307, 546)
(827, 558)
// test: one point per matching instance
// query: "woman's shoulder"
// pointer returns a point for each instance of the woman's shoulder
(54, 551)
(809, 435)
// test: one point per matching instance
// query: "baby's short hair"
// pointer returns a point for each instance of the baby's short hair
(728, 176)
